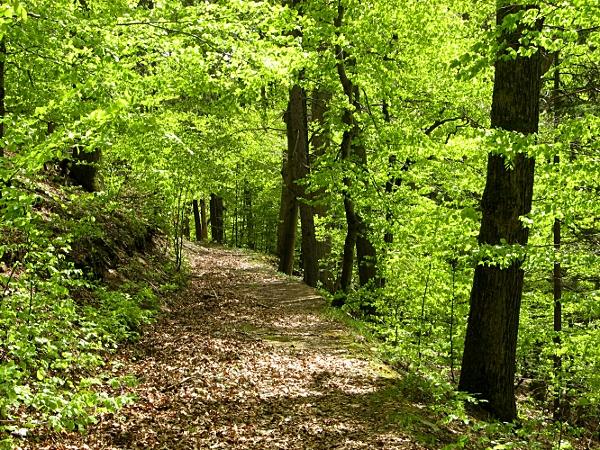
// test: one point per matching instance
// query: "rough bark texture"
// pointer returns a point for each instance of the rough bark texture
(297, 168)
(488, 365)
(216, 218)
(310, 261)
(298, 137)
(197, 220)
(293, 193)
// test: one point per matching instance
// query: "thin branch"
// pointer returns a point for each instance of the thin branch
(439, 123)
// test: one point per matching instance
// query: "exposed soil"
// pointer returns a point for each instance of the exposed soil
(246, 358)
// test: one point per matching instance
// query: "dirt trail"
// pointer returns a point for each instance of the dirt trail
(245, 358)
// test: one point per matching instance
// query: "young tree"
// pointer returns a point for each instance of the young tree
(2, 93)
(197, 220)
(488, 365)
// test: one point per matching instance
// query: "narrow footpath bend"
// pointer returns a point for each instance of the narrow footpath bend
(246, 359)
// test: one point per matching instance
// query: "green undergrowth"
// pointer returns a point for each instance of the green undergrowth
(80, 274)
(430, 408)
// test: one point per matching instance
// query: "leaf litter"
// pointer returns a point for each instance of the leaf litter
(244, 358)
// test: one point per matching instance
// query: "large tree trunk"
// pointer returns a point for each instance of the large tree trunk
(297, 168)
(293, 194)
(297, 128)
(488, 366)
(197, 220)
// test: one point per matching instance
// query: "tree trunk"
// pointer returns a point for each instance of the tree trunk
(83, 169)
(285, 206)
(197, 221)
(2, 93)
(488, 365)
(249, 219)
(186, 221)
(298, 137)
(216, 218)
(204, 232)
(310, 259)
(288, 219)
(349, 245)
(320, 141)
(294, 194)
(366, 255)
(297, 169)
(357, 233)
(557, 277)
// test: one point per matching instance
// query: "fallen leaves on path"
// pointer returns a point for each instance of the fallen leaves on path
(244, 359)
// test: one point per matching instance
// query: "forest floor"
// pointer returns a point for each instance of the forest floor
(247, 358)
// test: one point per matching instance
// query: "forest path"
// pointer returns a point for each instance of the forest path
(245, 358)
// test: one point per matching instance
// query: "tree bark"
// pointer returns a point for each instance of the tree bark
(216, 218)
(297, 128)
(320, 141)
(557, 277)
(297, 168)
(197, 220)
(2, 93)
(249, 219)
(366, 255)
(204, 229)
(285, 206)
(357, 232)
(288, 216)
(488, 365)
(310, 258)
(83, 169)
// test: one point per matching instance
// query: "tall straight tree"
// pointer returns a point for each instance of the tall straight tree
(352, 150)
(203, 220)
(197, 221)
(320, 141)
(2, 93)
(216, 218)
(296, 168)
(488, 365)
